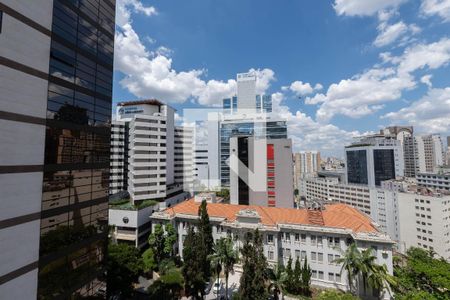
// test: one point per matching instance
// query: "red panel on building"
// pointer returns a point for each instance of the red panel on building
(269, 151)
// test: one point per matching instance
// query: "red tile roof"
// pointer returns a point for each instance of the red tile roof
(334, 215)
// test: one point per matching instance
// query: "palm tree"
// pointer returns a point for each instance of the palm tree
(350, 261)
(367, 265)
(380, 279)
(225, 256)
(277, 277)
(216, 263)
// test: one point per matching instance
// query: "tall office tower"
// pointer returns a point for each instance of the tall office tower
(56, 62)
(246, 91)
(373, 159)
(306, 163)
(263, 104)
(222, 127)
(201, 167)
(261, 172)
(184, 157)
(447, 153)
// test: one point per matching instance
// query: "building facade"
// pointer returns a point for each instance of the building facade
(318, 235)
(55, 111)
(424, 221)
(261, 171)
(201, 167)
(423, 154)
(305, 162)
(436, 181)
(373, 159)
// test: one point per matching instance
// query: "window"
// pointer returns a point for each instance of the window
(313, 256)
(338, 277)
(303, 255)
(320, 257)
(331, 276)
(270, 255)
(297, 254)
(288, 236)
(297, 237)
(319, 241)
(320, 275)
(314, 274)
(1, 17)
(330, 258)
(270, 238)
(303, 236)
(313, 240)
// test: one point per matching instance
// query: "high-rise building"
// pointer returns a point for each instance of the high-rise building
(201, 167)
(151, 166)
(373, 159)
(305, 163)
(423, 154)
(261, 171)
(56, 70)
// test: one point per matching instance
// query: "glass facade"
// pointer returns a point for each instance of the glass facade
(229, 105)
(243, 189)
(357, 166)
(74, 218)
(269, 130)
(384, 165)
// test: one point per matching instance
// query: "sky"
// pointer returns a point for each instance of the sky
(336, 69)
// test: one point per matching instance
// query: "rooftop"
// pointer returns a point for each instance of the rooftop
(139, 102)
(334, 215)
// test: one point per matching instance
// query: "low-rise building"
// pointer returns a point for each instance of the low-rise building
(320, 235)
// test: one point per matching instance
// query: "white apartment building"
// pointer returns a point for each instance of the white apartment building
(423, 154)
(261, 171)
(151, 159)
(424, 218)
(373, 159)
(305, 162)
(437, 181)
(298, 233)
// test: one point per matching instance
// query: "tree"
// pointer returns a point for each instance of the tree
(421, 272)
(367, 266)
(123, 266)
(350, 263)
(289, 276)
(306, 278)
(297, 283)
(192, 270)
(169, 240)
(148, 260)
(207, 240)
(168, 286)
(254, 276)
(156, 240)
(335, 295)
(277, 277)
(226, 256)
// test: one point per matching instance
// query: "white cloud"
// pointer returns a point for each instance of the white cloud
(364, 7)
(300, 88)
(433, 56)
(309, 134)
(426, 79)
(430, 114)
(363, 93)
(436, 7)
(150, 73)
(389, 33)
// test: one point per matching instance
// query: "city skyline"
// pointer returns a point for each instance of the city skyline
(380, 64)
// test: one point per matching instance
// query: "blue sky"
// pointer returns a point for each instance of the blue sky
(336, 69)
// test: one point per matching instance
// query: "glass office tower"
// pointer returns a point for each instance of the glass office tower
(357, 166)
(74, 217)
